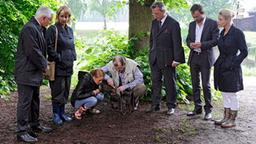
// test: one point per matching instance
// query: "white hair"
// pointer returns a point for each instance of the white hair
(158, 4)
(44, 11)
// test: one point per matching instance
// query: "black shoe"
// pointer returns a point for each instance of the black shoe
(208, 116)
(26, 137)
(43, 129)
(32, 134)
(154, 109)
(193, 113)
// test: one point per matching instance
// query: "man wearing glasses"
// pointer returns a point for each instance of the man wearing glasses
(29, 68)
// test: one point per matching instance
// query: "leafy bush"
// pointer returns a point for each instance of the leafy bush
(100, 50)
(13, 15)
(183, 83)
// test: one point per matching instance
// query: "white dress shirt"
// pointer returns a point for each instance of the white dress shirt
(163, 20)
(199, 31)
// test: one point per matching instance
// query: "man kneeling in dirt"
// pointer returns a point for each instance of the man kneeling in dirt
(124, 75)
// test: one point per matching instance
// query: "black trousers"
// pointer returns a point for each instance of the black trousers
(196, 68)
(167, 74)
(27, 107)
(60, 88)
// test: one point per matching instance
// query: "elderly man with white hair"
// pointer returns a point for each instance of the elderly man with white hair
(30, 66)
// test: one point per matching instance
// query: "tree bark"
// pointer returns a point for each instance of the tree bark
(140, 18)
(105, 22)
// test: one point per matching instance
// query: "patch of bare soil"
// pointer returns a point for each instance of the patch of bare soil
(110, 127)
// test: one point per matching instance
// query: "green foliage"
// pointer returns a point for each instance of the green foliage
(183, 82)
(211, 8)
(99, 51)
(184, 85)
(13, 15)
(142, 59)
(78, 8)
(107, 8)
(175, 4)
(171, 4)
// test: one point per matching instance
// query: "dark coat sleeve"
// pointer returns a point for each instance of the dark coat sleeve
(73, 48)
(32, 48)
(178, 50)
(215, 34)
(188, 40)
(240, 38)
(50, 38)
(83, 90)
(151, 37)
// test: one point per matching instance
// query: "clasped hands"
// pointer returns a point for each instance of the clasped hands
(111, 83)
(195, 45)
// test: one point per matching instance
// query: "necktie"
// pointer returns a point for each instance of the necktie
(120, 81)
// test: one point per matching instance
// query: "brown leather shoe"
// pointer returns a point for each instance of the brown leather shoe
(225, 118)
(231, 122)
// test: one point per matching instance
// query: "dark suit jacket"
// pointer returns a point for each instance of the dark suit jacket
(165, 44)
(209, 39)
(30, 56)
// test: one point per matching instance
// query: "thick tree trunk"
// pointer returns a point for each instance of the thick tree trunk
(140, 18)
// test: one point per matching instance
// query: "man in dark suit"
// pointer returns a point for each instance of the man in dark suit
(202, 37)
(166, 52)
(29, 68)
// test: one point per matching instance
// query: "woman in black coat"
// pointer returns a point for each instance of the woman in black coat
(87, 93)
(64, 57)
(227, 69)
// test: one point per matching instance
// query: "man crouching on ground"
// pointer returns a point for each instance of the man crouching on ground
(125, 75)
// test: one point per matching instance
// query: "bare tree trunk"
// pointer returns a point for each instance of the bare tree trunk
(105, 23)
(140, 18)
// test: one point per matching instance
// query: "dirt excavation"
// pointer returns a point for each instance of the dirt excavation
(110, 127)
